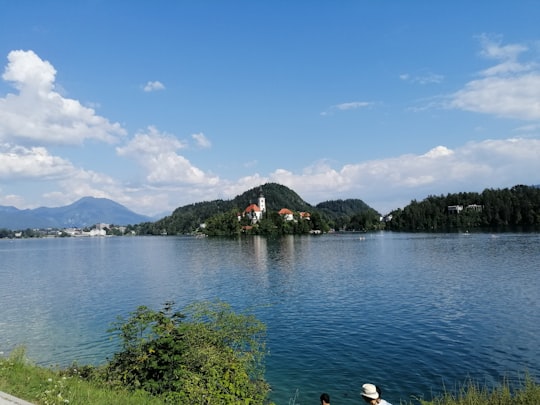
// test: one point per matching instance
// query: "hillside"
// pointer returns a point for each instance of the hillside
(82, 213)
(339, 208)
(188, 218)
(515, 208)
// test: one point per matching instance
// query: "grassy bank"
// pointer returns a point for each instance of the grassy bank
(473, 394)
(46, 386)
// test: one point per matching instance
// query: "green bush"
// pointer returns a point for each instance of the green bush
(207, 355)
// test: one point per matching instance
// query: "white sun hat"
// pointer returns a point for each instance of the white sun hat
(370, 391)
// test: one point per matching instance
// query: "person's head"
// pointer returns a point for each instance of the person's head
(325, 399)
(371, 394)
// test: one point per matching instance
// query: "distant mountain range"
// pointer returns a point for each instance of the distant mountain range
(85, 212)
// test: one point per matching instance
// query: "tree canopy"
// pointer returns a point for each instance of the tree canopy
(205, 355)
(518, 206)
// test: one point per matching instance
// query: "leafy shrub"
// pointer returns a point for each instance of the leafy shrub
(207, 355)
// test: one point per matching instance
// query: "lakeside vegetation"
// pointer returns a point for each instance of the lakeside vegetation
(81, 385)
(515, 208)
(221, 217)
(206, 354)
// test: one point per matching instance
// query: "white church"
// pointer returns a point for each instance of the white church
(255, 211)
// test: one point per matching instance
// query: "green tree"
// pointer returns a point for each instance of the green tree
(224, 224)
(206, 355)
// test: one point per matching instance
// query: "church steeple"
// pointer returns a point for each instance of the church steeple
(262, 201)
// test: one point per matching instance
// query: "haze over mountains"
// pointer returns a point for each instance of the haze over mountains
(85, 212)
(89, 211)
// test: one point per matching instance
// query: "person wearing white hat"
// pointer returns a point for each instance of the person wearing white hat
(372, 395)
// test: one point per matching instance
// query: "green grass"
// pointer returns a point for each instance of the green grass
(471, 393)
(47, 386)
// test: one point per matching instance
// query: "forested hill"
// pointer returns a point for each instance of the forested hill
(338, 208)
(186, 219)
(517, 207)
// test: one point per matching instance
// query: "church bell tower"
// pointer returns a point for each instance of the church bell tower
(262, 201)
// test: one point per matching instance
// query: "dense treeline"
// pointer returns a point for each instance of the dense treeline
(494, 209)
(271, 224)
(8, 233)
(350, 215)
(516, 207)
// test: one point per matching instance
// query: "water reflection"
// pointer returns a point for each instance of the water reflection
(412, 311)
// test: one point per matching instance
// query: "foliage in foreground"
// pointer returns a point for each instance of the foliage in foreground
(45, 386)
(473, 394)
(207, 355)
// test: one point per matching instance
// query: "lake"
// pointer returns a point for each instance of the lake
(409, 312)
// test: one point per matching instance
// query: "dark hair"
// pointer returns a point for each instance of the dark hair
(378, 389)
(325, 397)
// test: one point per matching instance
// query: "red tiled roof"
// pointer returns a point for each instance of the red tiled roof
(252, 207)
(285, 211)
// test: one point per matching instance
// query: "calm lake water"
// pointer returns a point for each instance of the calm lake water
(409, 312)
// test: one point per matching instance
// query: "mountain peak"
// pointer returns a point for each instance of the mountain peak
(84, 212)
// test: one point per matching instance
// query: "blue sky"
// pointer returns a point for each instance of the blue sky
(160, 104)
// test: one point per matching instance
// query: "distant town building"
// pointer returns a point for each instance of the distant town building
(286, 214)
(475, 207)
(455, 209)
(253, 212)
(386, 218)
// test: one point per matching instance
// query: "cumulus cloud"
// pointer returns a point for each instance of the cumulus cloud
(508, 89)
(201, 140)
(157, 153)
(391, 183)
(39, 115)
(18, 162)
(153, 86)
(384, 184)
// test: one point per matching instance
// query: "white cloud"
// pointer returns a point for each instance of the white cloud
(352, 106)
(156, 153)
(150, 143)
(201, 140)
(426, 78)
(17, 162)
(391, 183)
(528, 128)
(40, 115)
(153, 86)
(509, 89)
(11, 200)
(384, 184)
(347, 106)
